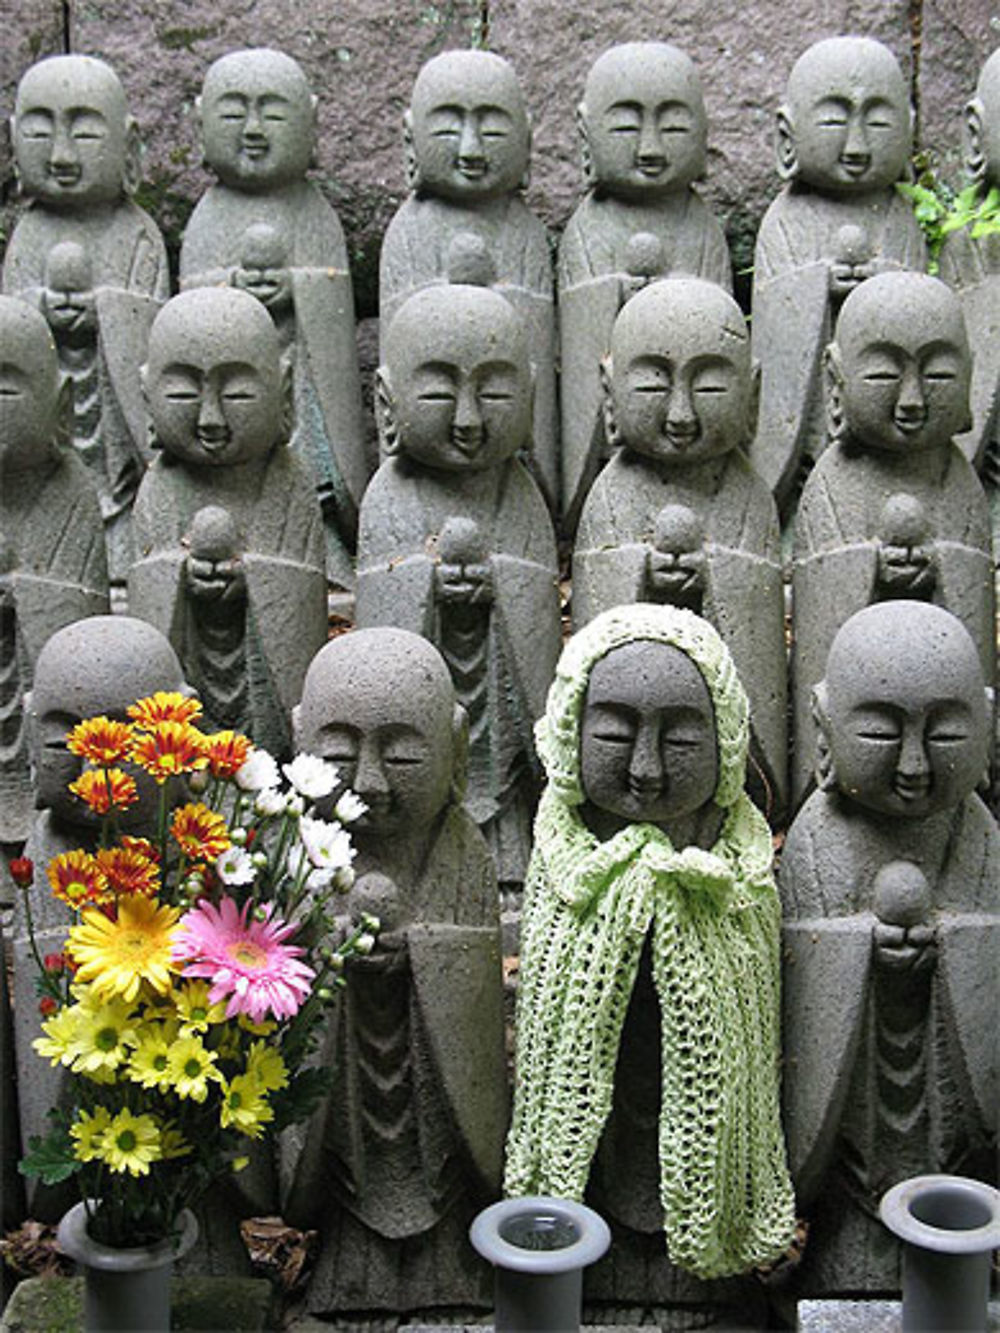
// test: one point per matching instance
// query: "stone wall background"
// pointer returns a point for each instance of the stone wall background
(362, 57)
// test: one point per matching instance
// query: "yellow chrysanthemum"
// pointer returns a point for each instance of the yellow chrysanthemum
(88, 1131)
(194, 1010)
(101, 740)
(170, 748)
(105, 1035)
(60, 1043)
(172, 1141)
(192, 1064)
(244, 1107)
(149, 1065)
(75, 879)
(130, 1143)
(227, 752)
(105, 789)
(262, 1029)
(200, 833)
(118, 956)
(266, 1066)
(127, 871)
(164, 706)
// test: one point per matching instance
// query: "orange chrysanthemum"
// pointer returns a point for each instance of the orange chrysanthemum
(102, 740)
(141, 845)
(169, 748)
(105, 789)
(129, 871)
(227, 752)
(200, 833)
(164, 706)
(77, 879)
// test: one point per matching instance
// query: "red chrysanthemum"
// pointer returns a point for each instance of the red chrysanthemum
(76, 878)
(170, 748)
(227, 752)
(164, 706)
(128, 871)
(102, 740)
(201, 833)
(105, 789)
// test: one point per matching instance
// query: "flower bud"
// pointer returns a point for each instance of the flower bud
(325, 994)
(198, 781)
(259, 859)
(238, 836)
(260, 912)
(294, 805)
(370, 923)
(336, 961)
(22, 871)
(365, 943)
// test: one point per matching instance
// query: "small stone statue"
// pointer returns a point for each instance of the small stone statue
(889, 881)
(893, 508)
(455, 540)
(647, 1019)
(678, 515)
(644, 133)
(227, 524)
(844, 135)
(468, 143)
(267, 229)
(93, 262)
(52, 560)
(410, 1143)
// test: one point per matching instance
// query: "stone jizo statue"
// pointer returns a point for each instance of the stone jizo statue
(456, 542)
(889, 881)
(843, 141)
(229, 529)
(266, 228)
(647, 990)
(678, 515)
(468, 143)
(644, 131)
(93, 262)
(893, 508)
(52, 561)
(410, 1143)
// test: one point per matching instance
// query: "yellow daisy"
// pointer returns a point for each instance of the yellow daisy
(117, 956)
(88, 1131)
(60, 1043)
(105, 1035)
(129, 1143)
(149, 1065)
(266, 1066)
(244, 1107)
(191, 1066)
(172, 1142)
(194, 1010)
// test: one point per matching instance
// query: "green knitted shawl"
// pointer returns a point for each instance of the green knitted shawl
(714, 918)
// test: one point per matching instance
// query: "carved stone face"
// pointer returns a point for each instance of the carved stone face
(849, 116)
(644, 121)
(213, 380)
(29, 385)
(70, 133)
(95, 666)
(257, 120)
(459, 380)
(904, 362)
(681, 385)
(379, 704)
(648, 750)
(904, 710)
(470, 134)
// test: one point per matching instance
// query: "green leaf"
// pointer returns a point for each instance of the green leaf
(50, 1159)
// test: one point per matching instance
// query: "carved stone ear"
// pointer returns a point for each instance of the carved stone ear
(132, 167)
(975, 158)
(385, 413)
(460, 752)
(788, 162)
(826, 778)
(586, 157)
(410, 162)
(833, 371)
(753, 404)
(611, 431)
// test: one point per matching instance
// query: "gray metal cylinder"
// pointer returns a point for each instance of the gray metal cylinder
(948, 1225)
(539, 1247)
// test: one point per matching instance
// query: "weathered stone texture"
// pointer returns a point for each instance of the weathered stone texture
(955, 41)
(31, 29)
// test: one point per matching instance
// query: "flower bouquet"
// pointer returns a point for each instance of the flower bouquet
(187, 998)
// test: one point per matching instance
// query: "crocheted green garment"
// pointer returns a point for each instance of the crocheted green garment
(714, 921)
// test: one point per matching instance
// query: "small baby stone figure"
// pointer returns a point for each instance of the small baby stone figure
(644, 130)
(52, 561)
(678, 515)
(893, 507)
(226, 521)
(93, 262)
(649, 971)
(889, 881)
(258, 124)
(410, 1143)
(468, 142)
(843, 142)
(455, 540)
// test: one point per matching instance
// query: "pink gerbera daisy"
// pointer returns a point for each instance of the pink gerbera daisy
(246, 961)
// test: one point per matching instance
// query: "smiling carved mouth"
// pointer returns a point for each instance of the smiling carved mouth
(65, 175)
(855, 166)
(911, 789)
(909, 425)
(472, 171)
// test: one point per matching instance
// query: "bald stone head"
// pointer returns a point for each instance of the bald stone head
(643, 121)
(845, 126)
(31, 395)
(456, 385)
(99, 665)
(904, 710)
(75, 145)
(900, 364)
(214, 380)
(982, 122)
(467, 131)
(380, 704)
(258, 120)
(679, 386)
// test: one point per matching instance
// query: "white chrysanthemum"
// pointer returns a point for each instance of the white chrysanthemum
(300, 864)
(259, 771)
(235, 866)
(269, 802)
(328, 846)
(349, 807)
(311, 776)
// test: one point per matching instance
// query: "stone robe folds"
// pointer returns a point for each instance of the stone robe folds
(845, 1148)
(593, 272)
(794, 317)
